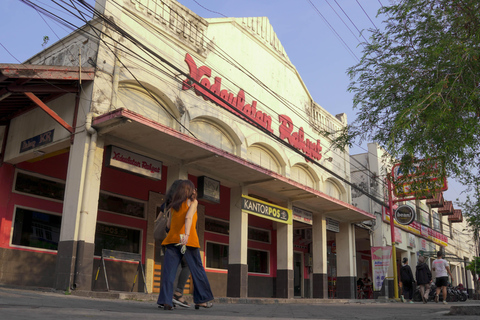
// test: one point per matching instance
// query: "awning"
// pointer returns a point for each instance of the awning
(24, 87)
(132, 131)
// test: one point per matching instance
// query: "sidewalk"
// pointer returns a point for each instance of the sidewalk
(28, 303)
(470, 307)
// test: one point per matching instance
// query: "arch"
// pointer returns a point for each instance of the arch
(334, 189)
(135, 98)
(303, 174)
(215, 132)
(266, 142)
(263, 156)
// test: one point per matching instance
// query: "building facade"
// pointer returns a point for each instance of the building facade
(149, 92)
(437, 226)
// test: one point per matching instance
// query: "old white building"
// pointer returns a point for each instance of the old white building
(163, 94)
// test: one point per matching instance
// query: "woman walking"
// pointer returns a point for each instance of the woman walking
(182, 241)
(424, 278)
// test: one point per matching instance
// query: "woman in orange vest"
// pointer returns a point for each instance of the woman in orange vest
(182, 240)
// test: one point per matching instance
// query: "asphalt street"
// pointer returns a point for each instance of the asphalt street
(20, 303)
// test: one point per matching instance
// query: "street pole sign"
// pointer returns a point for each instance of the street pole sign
(405, 214)
(418, 180)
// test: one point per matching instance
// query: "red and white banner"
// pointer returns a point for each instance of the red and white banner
(381, 258)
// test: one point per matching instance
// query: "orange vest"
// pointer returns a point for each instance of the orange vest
(177, 227)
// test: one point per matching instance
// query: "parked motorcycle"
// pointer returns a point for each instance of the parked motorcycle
(453, 294)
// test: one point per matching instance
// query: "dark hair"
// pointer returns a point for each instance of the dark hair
(171, 192)
(405, 260)
(185, 190)
(439, 254)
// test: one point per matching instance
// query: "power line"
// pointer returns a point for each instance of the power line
(333, 30)
(367, 14)
(342, 19)
(361, 33)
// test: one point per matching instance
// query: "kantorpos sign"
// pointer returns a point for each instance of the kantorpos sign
(266, 210)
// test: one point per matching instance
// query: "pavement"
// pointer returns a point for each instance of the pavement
(44, 303)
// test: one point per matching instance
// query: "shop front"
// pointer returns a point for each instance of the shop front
(275, 219)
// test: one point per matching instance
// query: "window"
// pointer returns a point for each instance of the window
(263, 158)
(36, 229)
(216, 226)
(257, 261)
(332, 190)
(258, 235)
(121, 205)
(136, 99)
(212, 134)
(217, 255)
(437, 222)
(39, 186)
(116, 238)
(302, 176)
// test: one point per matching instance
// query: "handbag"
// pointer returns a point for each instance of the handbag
(160, 229)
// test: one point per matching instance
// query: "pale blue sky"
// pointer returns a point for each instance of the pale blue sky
(320, 37)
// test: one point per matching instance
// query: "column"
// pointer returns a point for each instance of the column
(284, 261)
(88, 219)
(346, 275)
(67, 244)
(74, 266)
(237, 281)
(319, 241)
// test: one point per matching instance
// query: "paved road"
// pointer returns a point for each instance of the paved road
(18, 304)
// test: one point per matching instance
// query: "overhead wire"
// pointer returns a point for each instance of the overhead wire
(243, 115)
(177, 79)
(360, 32)
(333, 30)
(382, 181)
(367, 15)
(229, 59)
(346, 25)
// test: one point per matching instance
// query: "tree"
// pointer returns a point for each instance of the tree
(416, 87)
(474, 268)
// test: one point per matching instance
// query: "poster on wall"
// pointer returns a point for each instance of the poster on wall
(381, 259)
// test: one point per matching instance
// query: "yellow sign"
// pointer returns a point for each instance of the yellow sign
(266, 210)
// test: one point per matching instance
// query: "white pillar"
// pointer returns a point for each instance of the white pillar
(319, 239)
(237, 284)
(284, 260)
(346, 277)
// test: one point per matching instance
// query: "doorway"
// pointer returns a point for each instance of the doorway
(298, 274)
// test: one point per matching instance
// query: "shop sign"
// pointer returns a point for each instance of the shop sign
(423, 244)
(302, 215)
(411, 240)
(333, 225)
(425, 176)
(238, 105)
(420, 230)
(208, 189)
(398, 235)
(36, 141)
(405, 214)
(133, 162)
(266, 210)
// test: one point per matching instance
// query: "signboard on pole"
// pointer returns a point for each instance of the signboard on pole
(423, 177)
(381, 259)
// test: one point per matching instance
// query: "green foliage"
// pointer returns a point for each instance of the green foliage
(474, 266)
(45, 41)
(417, 86)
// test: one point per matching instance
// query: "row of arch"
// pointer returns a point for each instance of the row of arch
(223, 132)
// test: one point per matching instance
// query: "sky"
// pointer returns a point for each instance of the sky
(321, 38)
